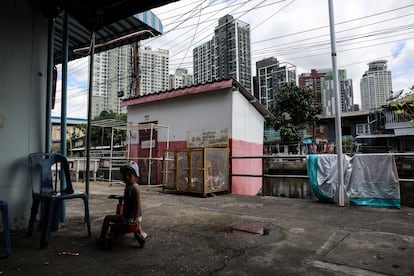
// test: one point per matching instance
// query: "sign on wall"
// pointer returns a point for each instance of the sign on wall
(146, 140)
(134, 136)
(214, 138)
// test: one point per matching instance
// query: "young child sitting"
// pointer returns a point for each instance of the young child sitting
(131, 218)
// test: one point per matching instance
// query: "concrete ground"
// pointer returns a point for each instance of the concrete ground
(224, 235)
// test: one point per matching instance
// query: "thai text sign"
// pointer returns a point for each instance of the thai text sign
(214, 138)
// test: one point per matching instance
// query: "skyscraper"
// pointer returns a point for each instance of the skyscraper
(270, 76)
(114, 77)
(226, 55)
(376, 85)
(181, 78)
(112, 74)
(203, 57)
(314, 81)
(329, 94)
(153, 67)
(232, 50)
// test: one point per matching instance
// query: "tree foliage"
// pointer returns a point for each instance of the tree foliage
(294, 111)
(102, 136)
(405, 105)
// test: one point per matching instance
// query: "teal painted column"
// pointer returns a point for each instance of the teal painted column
(63, 109)
(49, 84)
(89, 126)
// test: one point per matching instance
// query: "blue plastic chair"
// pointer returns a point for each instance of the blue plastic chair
(42, 165)
(6, 229)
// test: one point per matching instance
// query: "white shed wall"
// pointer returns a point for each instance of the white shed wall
(248, 123)
(23, 53)
(187, 113)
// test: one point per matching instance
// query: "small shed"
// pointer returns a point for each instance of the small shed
(200, 112)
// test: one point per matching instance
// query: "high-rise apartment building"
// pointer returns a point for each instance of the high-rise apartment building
(320, 81)
(329, 94)
(153, 67)
(347, 95)
(203, 57)
(376, 85)
(181, 78)
(314, 81)
(232, 50)
(100, 77)
(226, 55)
(270, 76)
(112, 75)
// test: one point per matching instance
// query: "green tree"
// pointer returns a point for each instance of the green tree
(294, 111)
(102, 136)
(404, 105)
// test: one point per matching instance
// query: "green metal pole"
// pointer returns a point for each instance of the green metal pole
(65, 39)
(49, 79)
(89, 127)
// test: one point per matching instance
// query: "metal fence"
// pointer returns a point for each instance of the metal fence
(282, 175)
(286, 176)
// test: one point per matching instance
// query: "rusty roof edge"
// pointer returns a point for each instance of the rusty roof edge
(197, 89)
(183, 91)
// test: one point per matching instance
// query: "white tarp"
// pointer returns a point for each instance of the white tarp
(369, 179)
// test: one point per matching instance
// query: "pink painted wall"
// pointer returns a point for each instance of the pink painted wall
(136, 152)
(240, 185)
(243, 185)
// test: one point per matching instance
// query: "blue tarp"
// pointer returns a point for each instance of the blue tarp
(369, 179)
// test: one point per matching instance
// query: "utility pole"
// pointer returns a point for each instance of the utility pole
(136, 68)
(338, 123)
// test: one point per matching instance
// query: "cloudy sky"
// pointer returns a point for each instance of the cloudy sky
(293, 31)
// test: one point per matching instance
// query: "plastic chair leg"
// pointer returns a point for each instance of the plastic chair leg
(5, 219)
(47, 223)
(33, 214)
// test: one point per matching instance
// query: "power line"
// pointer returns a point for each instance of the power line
(298, 47)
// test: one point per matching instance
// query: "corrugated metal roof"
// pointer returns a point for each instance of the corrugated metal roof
(109, 123)
(80, 36)
(198, 89)
(95, 14)
(69, 120)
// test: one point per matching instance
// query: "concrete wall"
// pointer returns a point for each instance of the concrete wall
(210, 110)
(247, 140)
(23, 53)
(247, 121)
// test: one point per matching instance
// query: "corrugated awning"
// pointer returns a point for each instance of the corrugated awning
(95, 14)
(145, 24)
(109, 123)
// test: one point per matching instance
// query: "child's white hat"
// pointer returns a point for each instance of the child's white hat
(130, 165)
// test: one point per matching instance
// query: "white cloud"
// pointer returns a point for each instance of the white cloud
(77, 100)
(77, 88)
